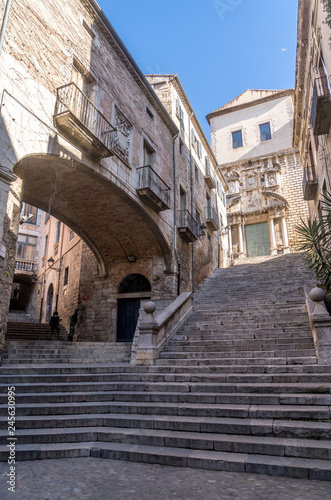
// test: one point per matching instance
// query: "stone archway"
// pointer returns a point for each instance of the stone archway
(105, 212)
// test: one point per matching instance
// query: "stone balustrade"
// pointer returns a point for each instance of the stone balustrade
(154, 332)
(320, 322)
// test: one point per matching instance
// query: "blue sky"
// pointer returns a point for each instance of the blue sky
(218, 48)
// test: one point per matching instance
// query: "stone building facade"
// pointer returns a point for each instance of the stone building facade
(312, 120)
(92, 145)
(202, 185)
(252, 140)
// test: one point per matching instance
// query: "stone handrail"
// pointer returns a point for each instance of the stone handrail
(320, 322)
(154, 332)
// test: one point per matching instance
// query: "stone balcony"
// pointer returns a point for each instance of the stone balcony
(152, 189)
(187, 226)
(210, 178)
(309, 183)
(27, 266)
(82, 123)
(321, 106)
(212, 219)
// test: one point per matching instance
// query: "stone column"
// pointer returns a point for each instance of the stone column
(230, 240)
(273, 246)
(285, 236)
(241, 242)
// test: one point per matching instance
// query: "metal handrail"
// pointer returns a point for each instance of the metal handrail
(322, 87)
(71, 98)
(186, 220)
(148, 178)
(211, 214)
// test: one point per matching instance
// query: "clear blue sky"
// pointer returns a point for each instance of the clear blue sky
(218, 48)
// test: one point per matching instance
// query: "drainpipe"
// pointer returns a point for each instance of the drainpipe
(192, 201)
(175, 211)
(4, 23)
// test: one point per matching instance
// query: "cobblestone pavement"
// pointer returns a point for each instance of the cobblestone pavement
(99, 479)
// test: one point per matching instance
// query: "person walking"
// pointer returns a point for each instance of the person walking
(54, 323)
(73, 323)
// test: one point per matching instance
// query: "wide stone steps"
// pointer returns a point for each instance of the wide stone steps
(238, 388)
(33, 352)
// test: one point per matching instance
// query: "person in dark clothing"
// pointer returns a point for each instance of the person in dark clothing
(73, 323)
(54, 324)
(16, 293)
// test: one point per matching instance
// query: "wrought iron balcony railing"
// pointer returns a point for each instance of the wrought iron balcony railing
(25, 265)
(152, 189)
(212, 219)
(321, 106)
(86, 125)
(187, 226)
(309, 183)
(210, 177)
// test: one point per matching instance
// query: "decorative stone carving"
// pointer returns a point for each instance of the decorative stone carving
(254, 202)
(122, 136)
(251, 181)
(230, 176)
(272, 179)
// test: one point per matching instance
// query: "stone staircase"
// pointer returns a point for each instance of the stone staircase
(237, 389)
(28, 343)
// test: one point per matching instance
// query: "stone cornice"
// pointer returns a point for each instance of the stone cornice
(132, 66)
(303, 46)
(257, 159)
(7, 176)
(278, 95)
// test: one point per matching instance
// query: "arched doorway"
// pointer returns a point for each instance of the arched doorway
(49, 303)
(133, 288)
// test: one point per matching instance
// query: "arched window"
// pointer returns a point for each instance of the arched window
(134, 283)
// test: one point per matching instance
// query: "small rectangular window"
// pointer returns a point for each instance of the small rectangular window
(71, 235)
(199, 149)
(57, 231)
(196, 171)
(265, 132)
(66, 276)
(148, 155)
(237, 140)
(181, 147)
(150, 114)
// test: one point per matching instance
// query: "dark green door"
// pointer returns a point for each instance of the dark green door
(257, 239)
(127, 317)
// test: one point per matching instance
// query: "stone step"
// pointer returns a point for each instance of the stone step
(236, 345)
(9, 373)
(276, 412)
(173, 397)
(240, 361)
(184, 377)
(315, 430)
(302, 448)
(192, 387)
(243, 354)
(205, 459)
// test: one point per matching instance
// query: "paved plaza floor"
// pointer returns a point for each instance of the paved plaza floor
(99, 479)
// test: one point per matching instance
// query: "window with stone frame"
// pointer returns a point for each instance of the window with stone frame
(237, 139)
(148, 155)
(265, 131)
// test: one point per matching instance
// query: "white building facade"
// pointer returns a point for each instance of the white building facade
(252, 140)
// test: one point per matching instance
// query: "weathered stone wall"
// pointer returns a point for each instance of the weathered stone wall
(291, 179)
(7, 262)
